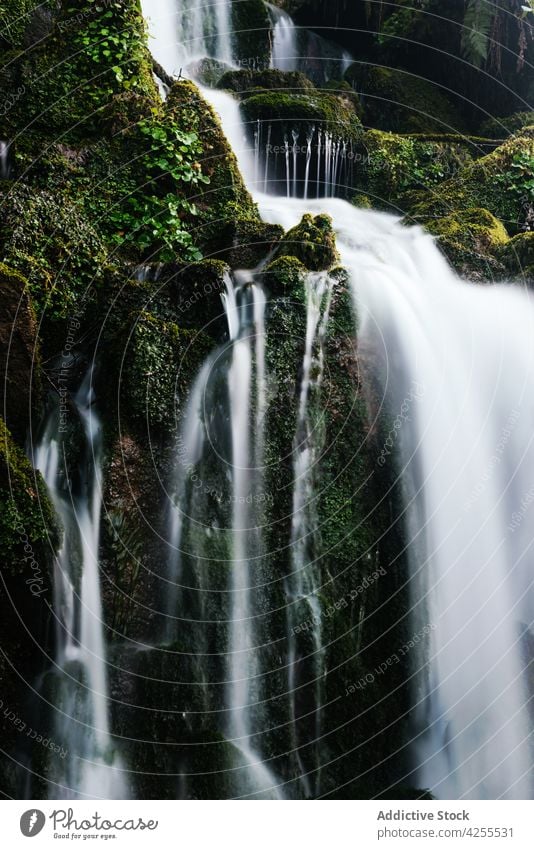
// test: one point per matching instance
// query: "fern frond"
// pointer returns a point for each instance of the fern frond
(478, 21)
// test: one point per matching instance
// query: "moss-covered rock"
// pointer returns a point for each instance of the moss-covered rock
(518, 255)
(392, 164)
(225, 199)
(401, 102)
(501, 182)
(49, 239)
(471, 240)
(251, 33)
(91, 54)
(206, 71)
(284, 277)
(245, 81)
(312, 242)
(19, 353)
(15, 20)
(29, 537)
(329, 112)
(26, 513)
(245, 243)
(344, 89)
(160, 359)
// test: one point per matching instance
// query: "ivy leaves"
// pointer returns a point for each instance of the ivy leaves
(154, 218)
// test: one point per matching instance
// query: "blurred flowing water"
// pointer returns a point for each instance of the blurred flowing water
(92, 768)
(457, 361)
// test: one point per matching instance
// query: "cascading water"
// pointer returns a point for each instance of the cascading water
(306, 663)
(5, 168)
(463, 455)
(93, 768)
(246, 385)
(464, 459)
(299, 49)
(189, 30)
(237, 482)
(311, 164)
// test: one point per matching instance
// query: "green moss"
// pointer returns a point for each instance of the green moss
(501, 182)
(15, 17)
(500, 128)
(284, 277)
(312, 242)
(361, 201)
(92, 53)
(51, 241)
(245, 81)
(518, 254)
(326, 111)
(225, 199)
(400, 102)
(251, 33)
(470, 240)
(394, 164)
(26, 513)
(344, 89)
(244, 243)
(161, 359)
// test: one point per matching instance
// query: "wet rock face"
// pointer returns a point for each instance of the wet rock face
(19, 352)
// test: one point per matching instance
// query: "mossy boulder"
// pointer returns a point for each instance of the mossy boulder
(312, 241)
(194, 291)
(15, 20)
(471, 240)
(27, 517)
(344, 89)
(245, 243)
(159, 360)
(49, 238)
(252, 27)
(328, 112)
(29, 537)
(284, 277)
(501, 182)
(206, 71)
(19, 353)
(518, 255)
(91, 54)
(392, 164)
(401, 102)
(226, 198)
(245, 81)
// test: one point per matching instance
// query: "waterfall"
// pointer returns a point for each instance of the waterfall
(304, 581)
(229, 467)
(461, 385)
(300, 49)
(185, 31)
(5, 168)
(93, 768)
(457, 371)
(247, 370)
(285, 53)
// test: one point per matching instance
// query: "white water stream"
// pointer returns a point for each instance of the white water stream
(92, 768)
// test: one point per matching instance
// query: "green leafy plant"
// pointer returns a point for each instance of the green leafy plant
(478, 20)
(519, 182)
(112, 38)
(153, 218)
